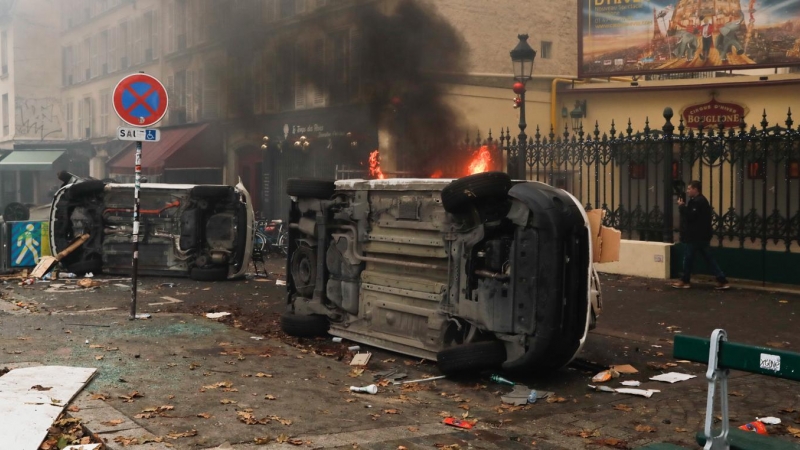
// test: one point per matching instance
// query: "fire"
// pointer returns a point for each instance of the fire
(437, 174)
(375, 166)
(481, 161)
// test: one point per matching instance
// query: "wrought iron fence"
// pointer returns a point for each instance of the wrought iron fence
(750, 175)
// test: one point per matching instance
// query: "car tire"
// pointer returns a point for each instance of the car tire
(209, 274)
(15, 212)
(479, 188)
(471, 357)
(311, 188)
(304, 270)
(88, 187)
(81, 268)
(304, 326)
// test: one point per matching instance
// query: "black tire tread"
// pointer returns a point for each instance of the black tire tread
(481, 187)
(310, 187)
(88, 187)
(304, 326)
(471, 357)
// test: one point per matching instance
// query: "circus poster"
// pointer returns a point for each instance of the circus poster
(632, 37)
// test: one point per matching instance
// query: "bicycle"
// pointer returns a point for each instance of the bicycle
(269, 236)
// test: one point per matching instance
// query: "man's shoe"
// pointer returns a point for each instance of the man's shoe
(722, 286)
(681, 285)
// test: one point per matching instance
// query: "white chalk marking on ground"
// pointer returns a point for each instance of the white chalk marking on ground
(170, 300)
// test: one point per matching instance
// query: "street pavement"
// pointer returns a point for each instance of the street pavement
(239, 383)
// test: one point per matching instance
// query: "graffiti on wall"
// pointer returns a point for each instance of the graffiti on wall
(37, 117)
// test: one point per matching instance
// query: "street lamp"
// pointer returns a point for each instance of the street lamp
(522, 60)
(577, 114)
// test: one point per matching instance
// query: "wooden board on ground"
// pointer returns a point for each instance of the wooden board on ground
(28, 408)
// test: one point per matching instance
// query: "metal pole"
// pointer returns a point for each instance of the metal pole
(522, 149)
(669, 204)
(135, 235)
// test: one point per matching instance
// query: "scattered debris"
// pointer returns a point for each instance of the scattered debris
(755, 427)
(605, 375)
(500, 380)
(420, 380)
(673, 377)
(217, 315)
(257, 338)
(371, 389)
(354, 348)
(143, 316)
(280, 282)
(83, 447)
(640, 392)
(769, 420)
(631, 383)
(625, 368)
(337, 339)
(453, 422)
(361, 359)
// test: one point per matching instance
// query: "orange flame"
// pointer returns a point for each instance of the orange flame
(375, 166)
(437, 174)
(481, 161)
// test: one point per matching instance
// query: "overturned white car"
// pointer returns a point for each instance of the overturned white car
(200, 231)
(474, 273)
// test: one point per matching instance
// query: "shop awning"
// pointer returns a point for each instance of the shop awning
(30, 159)
(177, 143)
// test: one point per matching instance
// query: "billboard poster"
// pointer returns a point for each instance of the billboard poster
(632, 37)
(29, 242)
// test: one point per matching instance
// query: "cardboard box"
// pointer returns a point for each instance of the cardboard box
(610, 241)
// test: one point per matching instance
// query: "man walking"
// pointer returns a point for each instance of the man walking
(696, 235)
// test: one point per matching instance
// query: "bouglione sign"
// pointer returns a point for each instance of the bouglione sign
(713, 113)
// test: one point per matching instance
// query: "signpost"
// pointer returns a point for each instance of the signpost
(139, 100)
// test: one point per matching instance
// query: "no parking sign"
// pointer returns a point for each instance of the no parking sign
(140, 100)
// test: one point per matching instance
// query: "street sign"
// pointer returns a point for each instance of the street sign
(140, 100)
(138, 134)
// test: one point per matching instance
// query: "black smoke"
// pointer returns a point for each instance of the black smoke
(404, 54)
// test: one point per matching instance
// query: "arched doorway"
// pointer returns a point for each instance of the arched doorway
(250, 168)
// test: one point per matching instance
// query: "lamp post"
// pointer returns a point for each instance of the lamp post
(522, 60)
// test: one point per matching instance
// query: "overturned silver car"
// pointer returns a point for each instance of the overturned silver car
(200, 231)
(475, 273)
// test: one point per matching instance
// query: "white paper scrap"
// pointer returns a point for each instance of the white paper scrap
(217, 315)
(641, 392)
(769, 420)
(673, 377)
(631, 383)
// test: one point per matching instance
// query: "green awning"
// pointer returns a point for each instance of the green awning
(30, 159)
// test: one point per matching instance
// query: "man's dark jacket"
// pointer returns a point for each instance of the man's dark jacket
(696, 220)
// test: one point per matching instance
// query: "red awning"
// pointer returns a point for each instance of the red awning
(157, 156)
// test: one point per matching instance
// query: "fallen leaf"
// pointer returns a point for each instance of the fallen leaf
(126, 441)
(129, 398)
(102, 397)
(794, 431)
(391, 411)
(645, 429)
(112, 423)
(98, 357)
(189, 433)
(226, 401)
(737, 394)
(612, 442)
(586, 434)
(681, 430)
(39, 387)
(788, 410)
(355, 373)
(413, 429)
(261, 441)
(204, 415)
(73, 408)
(263, 375)
(622, 407)
(269, 397)
(554, 399)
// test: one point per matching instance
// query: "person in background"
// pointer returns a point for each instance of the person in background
(696, 233)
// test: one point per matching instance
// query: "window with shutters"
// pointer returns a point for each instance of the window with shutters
(105, 106)
(191, 18)
(138, 41)
(86, 61)
(4, 52)
(269, 7)
(112, 50)
(103, 53)
(95, 64)
(88, 118)
(69, 108)
(68, 57)
(317, 69)
(180, 25)
(211, 91)
(189, 95)
(270, 98)
(169, 34)
(284, 83)
(148, 35)
(123, 37)
(6, 118)
(79, 133)
(300, 74)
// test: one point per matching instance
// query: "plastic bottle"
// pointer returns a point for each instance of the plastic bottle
(500, 380)
(755, 427)
(532, 396)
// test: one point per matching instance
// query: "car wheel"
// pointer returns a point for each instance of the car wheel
(81, 268)
(471, 357)
(209, 274)
(479, 188)
(16, 212)
(308, 187)
(304, 270)
(304, 326)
